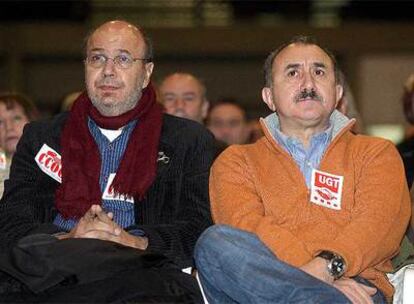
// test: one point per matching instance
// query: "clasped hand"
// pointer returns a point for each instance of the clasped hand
(97, 224)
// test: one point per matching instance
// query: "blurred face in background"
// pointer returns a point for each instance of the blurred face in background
(228, 123)
(184, 96)
(12, 122)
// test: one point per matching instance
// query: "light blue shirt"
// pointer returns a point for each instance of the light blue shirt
(306, 159)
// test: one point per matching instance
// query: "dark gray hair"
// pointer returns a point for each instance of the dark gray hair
(304, 40)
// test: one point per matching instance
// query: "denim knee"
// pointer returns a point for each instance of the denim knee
(211, 244)
(209, 239)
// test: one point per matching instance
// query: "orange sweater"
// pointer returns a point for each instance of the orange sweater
(260, 189)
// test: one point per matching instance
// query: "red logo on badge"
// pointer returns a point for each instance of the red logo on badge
(325, 194)
(329, 182)
(51, 161)
(326, 189)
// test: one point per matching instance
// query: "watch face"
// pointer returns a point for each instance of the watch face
(337, 267)
(336, 264)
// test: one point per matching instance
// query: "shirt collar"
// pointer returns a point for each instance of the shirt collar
(323, 137)
(337, 122)
(96, 132)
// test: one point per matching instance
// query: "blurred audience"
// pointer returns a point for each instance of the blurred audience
(16, 110)
(347, 106)
(184, 95)
(256, 131)
(227, 121)
(406, 148)
(68, 100)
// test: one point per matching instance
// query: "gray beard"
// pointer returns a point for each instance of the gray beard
(118, 108)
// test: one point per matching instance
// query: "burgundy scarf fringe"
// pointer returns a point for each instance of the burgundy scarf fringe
(81, 161)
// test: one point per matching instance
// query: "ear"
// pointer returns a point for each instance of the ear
(148, 67)
(268, 98)
(339, 93)
(204, 108)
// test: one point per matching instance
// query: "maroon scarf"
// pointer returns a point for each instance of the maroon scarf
(81, 161)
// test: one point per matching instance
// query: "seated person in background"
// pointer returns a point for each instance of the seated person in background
(184, 95)
(114, 168)
(310, 213)
(16, 111)
(406, 148)
(347, 106)
(226, 119)
(68, 101)
(256, 131)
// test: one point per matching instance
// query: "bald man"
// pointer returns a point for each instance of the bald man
(110, 196)
(184, 95)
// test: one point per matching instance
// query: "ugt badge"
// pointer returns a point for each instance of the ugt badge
(326, 189)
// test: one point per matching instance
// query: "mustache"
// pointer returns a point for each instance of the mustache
(108, 82)
(305, 93)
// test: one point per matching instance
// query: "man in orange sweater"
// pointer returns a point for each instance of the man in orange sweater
(310, 213)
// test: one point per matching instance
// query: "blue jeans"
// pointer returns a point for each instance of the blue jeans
(236, 267)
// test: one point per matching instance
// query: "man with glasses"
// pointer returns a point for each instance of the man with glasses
(111, 196)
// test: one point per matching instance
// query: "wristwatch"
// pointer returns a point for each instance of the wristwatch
(336, 264)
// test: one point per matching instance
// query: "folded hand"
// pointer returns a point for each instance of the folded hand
(97, 224)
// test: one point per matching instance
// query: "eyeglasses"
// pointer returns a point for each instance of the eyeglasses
(122, 61)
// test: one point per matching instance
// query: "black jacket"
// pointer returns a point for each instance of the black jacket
(173, 214)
